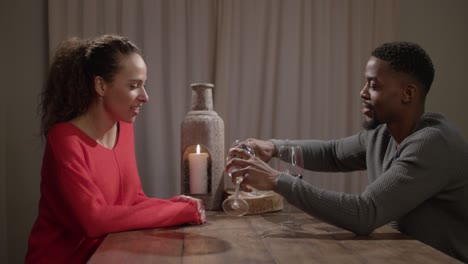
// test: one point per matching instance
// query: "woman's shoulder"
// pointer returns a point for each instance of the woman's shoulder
(65, 133)
(63, 129)
(60, 128)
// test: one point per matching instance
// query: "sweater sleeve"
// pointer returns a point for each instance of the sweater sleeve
(413, 177)
(79, 204)
(347, 154)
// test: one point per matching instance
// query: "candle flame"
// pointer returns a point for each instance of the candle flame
(198, 149)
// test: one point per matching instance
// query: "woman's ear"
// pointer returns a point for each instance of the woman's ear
(99, 86)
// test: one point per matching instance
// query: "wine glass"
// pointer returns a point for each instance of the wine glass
(234, 205)
(290, 162)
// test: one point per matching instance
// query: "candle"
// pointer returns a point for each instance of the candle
(198, 168)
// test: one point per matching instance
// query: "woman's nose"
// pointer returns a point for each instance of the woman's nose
(143, 97)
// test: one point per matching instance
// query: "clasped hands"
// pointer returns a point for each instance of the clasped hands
(194, 201)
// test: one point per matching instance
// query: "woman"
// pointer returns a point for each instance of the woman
(90, 185)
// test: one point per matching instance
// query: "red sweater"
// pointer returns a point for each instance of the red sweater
(88, 191)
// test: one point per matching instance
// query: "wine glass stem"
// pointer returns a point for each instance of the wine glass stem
(238, 182)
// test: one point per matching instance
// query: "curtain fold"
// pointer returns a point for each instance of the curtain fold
(281, 68)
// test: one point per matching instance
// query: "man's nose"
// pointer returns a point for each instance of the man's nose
(364, 92)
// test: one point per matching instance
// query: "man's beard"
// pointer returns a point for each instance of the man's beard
(371, 124)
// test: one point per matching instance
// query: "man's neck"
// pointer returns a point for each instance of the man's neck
(404, 127)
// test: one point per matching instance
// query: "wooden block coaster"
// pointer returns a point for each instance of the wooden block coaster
(261, 202)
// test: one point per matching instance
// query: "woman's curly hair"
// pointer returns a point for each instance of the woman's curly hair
(69, 89)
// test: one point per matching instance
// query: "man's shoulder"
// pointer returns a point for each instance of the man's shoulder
(437, 133)
(436, 125)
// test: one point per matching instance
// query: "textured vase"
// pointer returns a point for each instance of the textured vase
(203, 126)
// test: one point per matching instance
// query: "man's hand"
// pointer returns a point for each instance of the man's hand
(263, 149)
(256, 172)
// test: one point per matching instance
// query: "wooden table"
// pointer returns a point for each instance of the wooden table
(260, 239)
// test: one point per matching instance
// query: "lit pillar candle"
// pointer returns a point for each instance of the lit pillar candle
(198, 168)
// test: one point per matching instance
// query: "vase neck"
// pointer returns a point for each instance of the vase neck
(202, 97)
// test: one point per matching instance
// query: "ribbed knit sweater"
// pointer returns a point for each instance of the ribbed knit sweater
(419, 186)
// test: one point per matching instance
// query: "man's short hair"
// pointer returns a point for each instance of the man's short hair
(409, 58)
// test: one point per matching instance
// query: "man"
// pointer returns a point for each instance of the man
(415, 160)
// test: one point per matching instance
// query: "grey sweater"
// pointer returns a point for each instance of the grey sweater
(421, 186)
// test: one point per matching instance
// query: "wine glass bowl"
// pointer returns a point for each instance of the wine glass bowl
(291, 162)
(236, 143)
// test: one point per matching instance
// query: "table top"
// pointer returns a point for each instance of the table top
(261, 239)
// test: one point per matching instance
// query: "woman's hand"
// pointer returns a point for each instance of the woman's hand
(256, 172)
(198, 202)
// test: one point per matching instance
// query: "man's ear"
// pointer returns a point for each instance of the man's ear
(99, 86)
(409, 93)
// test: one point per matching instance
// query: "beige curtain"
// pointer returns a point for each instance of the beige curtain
(281, 68)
